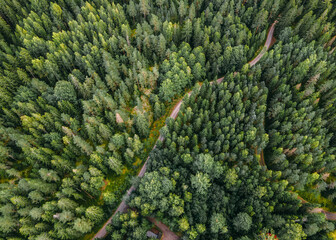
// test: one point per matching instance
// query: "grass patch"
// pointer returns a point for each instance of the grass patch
(91, 235)
(137, 162)
(260, 49)
(332, 235)
(156, 126)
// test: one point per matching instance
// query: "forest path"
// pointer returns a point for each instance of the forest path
(167, 234)
(123, 207)
(266, 47)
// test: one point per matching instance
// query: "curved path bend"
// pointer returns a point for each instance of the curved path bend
(331, 216)
(266, 46)
(167, 234)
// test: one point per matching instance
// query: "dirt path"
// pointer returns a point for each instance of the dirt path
(331, 216)
(262, 160)
(123, 207)
(167, 234)
(266, 46)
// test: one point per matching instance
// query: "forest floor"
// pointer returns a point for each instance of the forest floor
(123, 207)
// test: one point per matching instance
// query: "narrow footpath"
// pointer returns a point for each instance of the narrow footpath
(123, 207)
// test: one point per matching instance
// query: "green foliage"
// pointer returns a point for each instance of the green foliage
(83, 225)
(142, 124)
(242, 222)
(200, 182)
(129, 224)
(217, 173)
(94, 213)
(82, 82)
(218, 223)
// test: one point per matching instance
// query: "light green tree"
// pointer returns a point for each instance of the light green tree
(200, 182)
(94, 213)
(242, 222)
(83, 225)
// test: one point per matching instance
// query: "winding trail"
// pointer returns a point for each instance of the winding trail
(167, 234)
(266, 47)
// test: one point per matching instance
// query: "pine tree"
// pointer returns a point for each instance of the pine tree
(187, 30)
(83, 225)
(115, 165)
(132, 9)
(142, 125)
(144, 7)
(94, 213)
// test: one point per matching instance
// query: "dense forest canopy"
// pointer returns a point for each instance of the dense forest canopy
(85, 86)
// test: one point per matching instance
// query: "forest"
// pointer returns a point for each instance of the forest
(197, 119)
